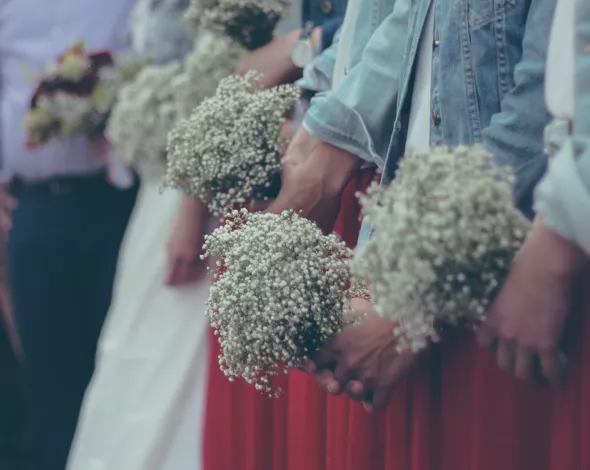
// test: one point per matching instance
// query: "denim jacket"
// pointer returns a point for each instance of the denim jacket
(487, 85)
(563, 197)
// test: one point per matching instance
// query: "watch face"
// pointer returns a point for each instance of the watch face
(302, 53)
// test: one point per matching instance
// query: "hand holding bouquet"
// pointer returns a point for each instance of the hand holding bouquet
(445, 233)
(228, 152)
(75, 95)
(280, 293)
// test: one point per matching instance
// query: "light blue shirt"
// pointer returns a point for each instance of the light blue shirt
(33, 33)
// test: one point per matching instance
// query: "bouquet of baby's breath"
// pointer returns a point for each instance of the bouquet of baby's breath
(249, 22)
(214, 59)
(228, 152)
(281, 291)
(445, 233)
(145, 111)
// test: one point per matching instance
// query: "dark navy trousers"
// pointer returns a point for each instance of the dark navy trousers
(62, 255)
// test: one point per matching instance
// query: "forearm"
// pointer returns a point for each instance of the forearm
(356, 117)
(515, 134)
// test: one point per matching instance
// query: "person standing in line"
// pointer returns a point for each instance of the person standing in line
(63, 220)
(543, 309)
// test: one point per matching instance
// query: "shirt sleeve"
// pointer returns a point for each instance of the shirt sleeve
(515, 134)
(563, 196)
(317, 76)
(359, 118)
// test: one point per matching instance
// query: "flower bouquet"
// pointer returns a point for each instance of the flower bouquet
(249, 22)
(145, 111)
(445, 233)
(75, 95)
(228, 152)
(280, 293)
(214, 59)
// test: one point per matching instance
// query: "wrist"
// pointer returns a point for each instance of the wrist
(565, 257)
(333, 167)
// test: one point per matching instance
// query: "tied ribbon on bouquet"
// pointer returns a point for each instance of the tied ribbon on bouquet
(281, 290)
(75, 96)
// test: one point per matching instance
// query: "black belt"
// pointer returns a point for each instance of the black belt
(60, 186)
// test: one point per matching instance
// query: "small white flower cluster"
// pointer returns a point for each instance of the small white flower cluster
(214, 59)
(228, 152)
(249, 22)
(280, 292)
(445, 233)
(145, 111)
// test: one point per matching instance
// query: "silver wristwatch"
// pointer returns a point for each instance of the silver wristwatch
(303, 52)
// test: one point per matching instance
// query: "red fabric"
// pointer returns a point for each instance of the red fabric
(570, 437)
(456, 411)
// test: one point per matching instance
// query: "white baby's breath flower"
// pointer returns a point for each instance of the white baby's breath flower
(280, 293)
(145, 111)
(445, 233)
(228, 152)
(214, 59)
(249, 22)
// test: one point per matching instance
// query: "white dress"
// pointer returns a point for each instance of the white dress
(143, 409)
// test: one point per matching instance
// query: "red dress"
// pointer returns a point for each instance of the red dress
(570, 438)
(456, 411)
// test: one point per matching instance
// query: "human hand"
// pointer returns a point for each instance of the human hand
(526, 322)
(363, 361)
(185, 245)
(314, 175)
(7, 205)
(273, 61)
(100, 147)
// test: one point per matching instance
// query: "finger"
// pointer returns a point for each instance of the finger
(506, 356)
(7, 202)
(551, 368)
(344, 372)
(308, 366)
(382, 394)
(324, 357)
(326, 381)
(487, 338)
(355, 390)
(524, 367)
(5, 223)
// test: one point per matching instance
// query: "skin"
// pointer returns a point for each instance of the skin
(274, 62)
(526, 324)
(185, 244)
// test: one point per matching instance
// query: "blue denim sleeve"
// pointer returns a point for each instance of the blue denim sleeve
(563, 196)
(329, 29)
(515, 134)
(356, 117)
(317, 76)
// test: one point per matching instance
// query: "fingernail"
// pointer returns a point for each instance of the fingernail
(368, 407)
(357, 389)
(332, 388)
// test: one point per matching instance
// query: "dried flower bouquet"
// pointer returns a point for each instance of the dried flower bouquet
(280, 293)
(445, 233)
(228, 152)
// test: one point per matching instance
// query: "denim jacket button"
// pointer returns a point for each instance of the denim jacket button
(326, 7)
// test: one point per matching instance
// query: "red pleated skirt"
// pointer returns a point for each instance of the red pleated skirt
(456, 411)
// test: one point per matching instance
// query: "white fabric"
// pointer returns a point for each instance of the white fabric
(345, 42)
(33, 33)
(143, 409)
(419, 126)
(559, 90)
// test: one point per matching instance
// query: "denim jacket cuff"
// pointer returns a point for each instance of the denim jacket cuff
(331, 121)
(562, 199)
